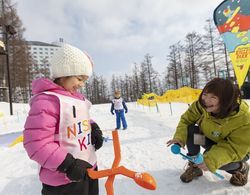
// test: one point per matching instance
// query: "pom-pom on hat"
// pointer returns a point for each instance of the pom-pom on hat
(70, 61)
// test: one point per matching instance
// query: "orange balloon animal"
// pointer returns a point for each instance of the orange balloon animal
(144, 180)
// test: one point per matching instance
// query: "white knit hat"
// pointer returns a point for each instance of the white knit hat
(70, 61)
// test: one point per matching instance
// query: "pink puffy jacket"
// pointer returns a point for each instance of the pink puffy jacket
(41, 126)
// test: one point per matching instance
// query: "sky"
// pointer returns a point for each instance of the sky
(143, 149)
(116, 34)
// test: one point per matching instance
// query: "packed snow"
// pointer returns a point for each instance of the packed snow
(143, 149)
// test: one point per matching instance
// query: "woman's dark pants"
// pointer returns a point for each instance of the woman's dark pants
(193, 149)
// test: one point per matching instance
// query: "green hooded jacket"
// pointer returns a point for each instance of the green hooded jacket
(232, 134)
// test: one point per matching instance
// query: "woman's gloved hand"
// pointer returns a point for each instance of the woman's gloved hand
(96, 136)
(75, 169)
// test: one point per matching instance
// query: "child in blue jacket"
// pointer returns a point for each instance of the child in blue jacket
(119, 105)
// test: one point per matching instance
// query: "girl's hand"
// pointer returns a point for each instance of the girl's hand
(174, 141)
(203, 166)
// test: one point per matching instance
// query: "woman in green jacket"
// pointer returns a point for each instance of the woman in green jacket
(220, 123)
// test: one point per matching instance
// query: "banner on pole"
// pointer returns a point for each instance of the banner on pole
(232, 18)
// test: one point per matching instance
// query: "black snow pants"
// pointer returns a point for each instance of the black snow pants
(84, 187)
(195, 149)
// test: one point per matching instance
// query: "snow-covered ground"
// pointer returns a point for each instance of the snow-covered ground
(143, 149)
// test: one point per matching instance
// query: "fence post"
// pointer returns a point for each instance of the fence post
(170, 108)
(157, 108)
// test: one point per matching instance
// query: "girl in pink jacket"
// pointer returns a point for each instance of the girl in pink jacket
(59, 134)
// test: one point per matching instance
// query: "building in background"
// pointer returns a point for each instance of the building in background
(40, 54)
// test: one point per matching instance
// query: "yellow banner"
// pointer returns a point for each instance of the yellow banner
(183, 95)
(241, 62)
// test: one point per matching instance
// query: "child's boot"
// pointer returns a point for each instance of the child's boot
(191, 172)
(240, 177)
